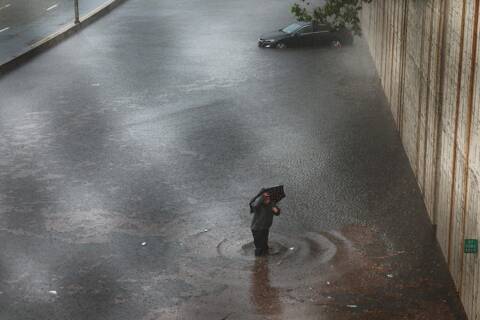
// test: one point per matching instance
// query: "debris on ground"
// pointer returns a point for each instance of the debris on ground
(352, 306)
(337, 44)
(292, 248)
(390, 255)
(389, 275)
(226, 317)
(144, 244)
(328, 283)
(53, 292)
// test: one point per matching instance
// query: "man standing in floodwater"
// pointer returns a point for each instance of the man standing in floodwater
(263, 210)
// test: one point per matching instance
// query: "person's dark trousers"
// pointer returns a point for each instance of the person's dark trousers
(260, 239)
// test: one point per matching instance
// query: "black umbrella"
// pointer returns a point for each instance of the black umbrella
(276, 194)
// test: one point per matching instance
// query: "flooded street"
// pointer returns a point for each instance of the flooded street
(129, 154)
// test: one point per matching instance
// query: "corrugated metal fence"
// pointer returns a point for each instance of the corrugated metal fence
(427, 55)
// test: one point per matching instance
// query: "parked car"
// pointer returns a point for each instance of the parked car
(301, 34)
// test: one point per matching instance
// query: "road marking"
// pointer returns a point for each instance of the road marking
(5, 6)
(52, 7)
(4, 29)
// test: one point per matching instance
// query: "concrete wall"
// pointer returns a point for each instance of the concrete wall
(427, 55)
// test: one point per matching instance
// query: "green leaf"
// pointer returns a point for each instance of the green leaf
(338, 14)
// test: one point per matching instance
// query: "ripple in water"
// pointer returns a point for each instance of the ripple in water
(292, 260)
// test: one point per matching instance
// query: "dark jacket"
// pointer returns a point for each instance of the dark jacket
(262, 214)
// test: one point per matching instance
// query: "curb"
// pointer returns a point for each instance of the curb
(57, 37)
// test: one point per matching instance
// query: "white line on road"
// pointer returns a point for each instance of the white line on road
(5, 6)
(4, 29)
(52, 7)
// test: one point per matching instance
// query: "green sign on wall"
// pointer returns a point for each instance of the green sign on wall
(470, 246)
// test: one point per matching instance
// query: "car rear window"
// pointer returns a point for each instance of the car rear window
(322, 27)
(307, 29)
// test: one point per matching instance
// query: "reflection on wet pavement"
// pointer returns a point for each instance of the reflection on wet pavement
(263, 295)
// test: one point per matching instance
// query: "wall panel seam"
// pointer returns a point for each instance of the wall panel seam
(471, 89)
(455, 138)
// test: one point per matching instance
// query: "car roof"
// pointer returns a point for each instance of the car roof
(303, 23)
(308, 23)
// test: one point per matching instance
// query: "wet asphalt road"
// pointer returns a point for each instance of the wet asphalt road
(25, 22)
(157, 124)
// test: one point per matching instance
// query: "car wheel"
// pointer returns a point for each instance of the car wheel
(281, 45)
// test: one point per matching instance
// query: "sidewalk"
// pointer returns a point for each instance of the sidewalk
(24, 25)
